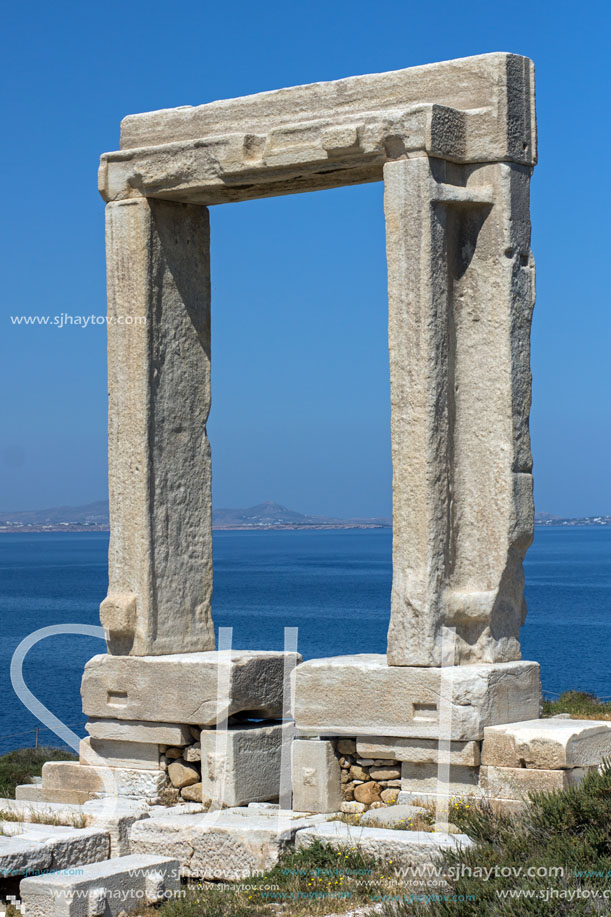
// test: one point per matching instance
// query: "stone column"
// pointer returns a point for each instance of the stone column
(159, 397)
(461, 292)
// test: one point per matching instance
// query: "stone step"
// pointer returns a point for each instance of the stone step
(226, 844)
(27, 848)
(118, 884)
(394, 848)
(548, 744)
(68, 781)
(115, 815)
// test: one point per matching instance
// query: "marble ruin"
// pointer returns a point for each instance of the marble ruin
(451, 710)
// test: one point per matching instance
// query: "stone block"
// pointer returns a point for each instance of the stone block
(35, 848)
(194, 752)
(114, 815)
(110, 753)
(352, 807)
(418, 751)
(363, 696)
(226, 844)
(409, 798)
(547, 744)
(518, 782)
(139, 731)
(424, 778)
(45, 813)
(396, 849)
(29, 792)
(102, 889)
(368, 792)
(385, 773)
(327, 134)
(65, 781)
(315, 777)
(242, 764)
(190, 688)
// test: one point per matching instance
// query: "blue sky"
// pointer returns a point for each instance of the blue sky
(300, 380)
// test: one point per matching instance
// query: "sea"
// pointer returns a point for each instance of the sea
(334, 586)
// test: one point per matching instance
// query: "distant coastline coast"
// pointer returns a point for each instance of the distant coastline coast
(262, 517)
(268, 516)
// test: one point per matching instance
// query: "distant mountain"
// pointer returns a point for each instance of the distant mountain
(274, 515)
(268, 513)
(89, 514)
(95, 517)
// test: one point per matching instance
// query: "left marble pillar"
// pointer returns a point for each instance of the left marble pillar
(160, 558)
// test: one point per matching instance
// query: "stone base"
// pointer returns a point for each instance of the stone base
(517, 759)
(417, 751)
(315, 776)
(242, 764)
(363, 696)
(66, 781)
(201, 689)
(462, 780)
(230, 767)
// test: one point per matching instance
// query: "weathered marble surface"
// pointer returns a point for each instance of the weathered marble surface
(315, 776)
(189, 688)
(461, 294)
(363, 696)
(160, 556)
(227, 844)
(305, 138)
(107, 888)
(548, 744)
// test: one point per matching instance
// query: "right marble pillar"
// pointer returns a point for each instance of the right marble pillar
(461, 295)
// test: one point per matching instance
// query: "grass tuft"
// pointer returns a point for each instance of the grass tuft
(21, 765)
(580, 705)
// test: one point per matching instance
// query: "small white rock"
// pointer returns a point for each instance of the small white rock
(352, 808)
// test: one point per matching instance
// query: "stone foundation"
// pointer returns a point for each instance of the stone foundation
(227, 767)
(197, 727)
(517, 759)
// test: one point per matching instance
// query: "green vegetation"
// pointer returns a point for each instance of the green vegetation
(556, 854)
(311, 882)
(21, 765)
(579, 705)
